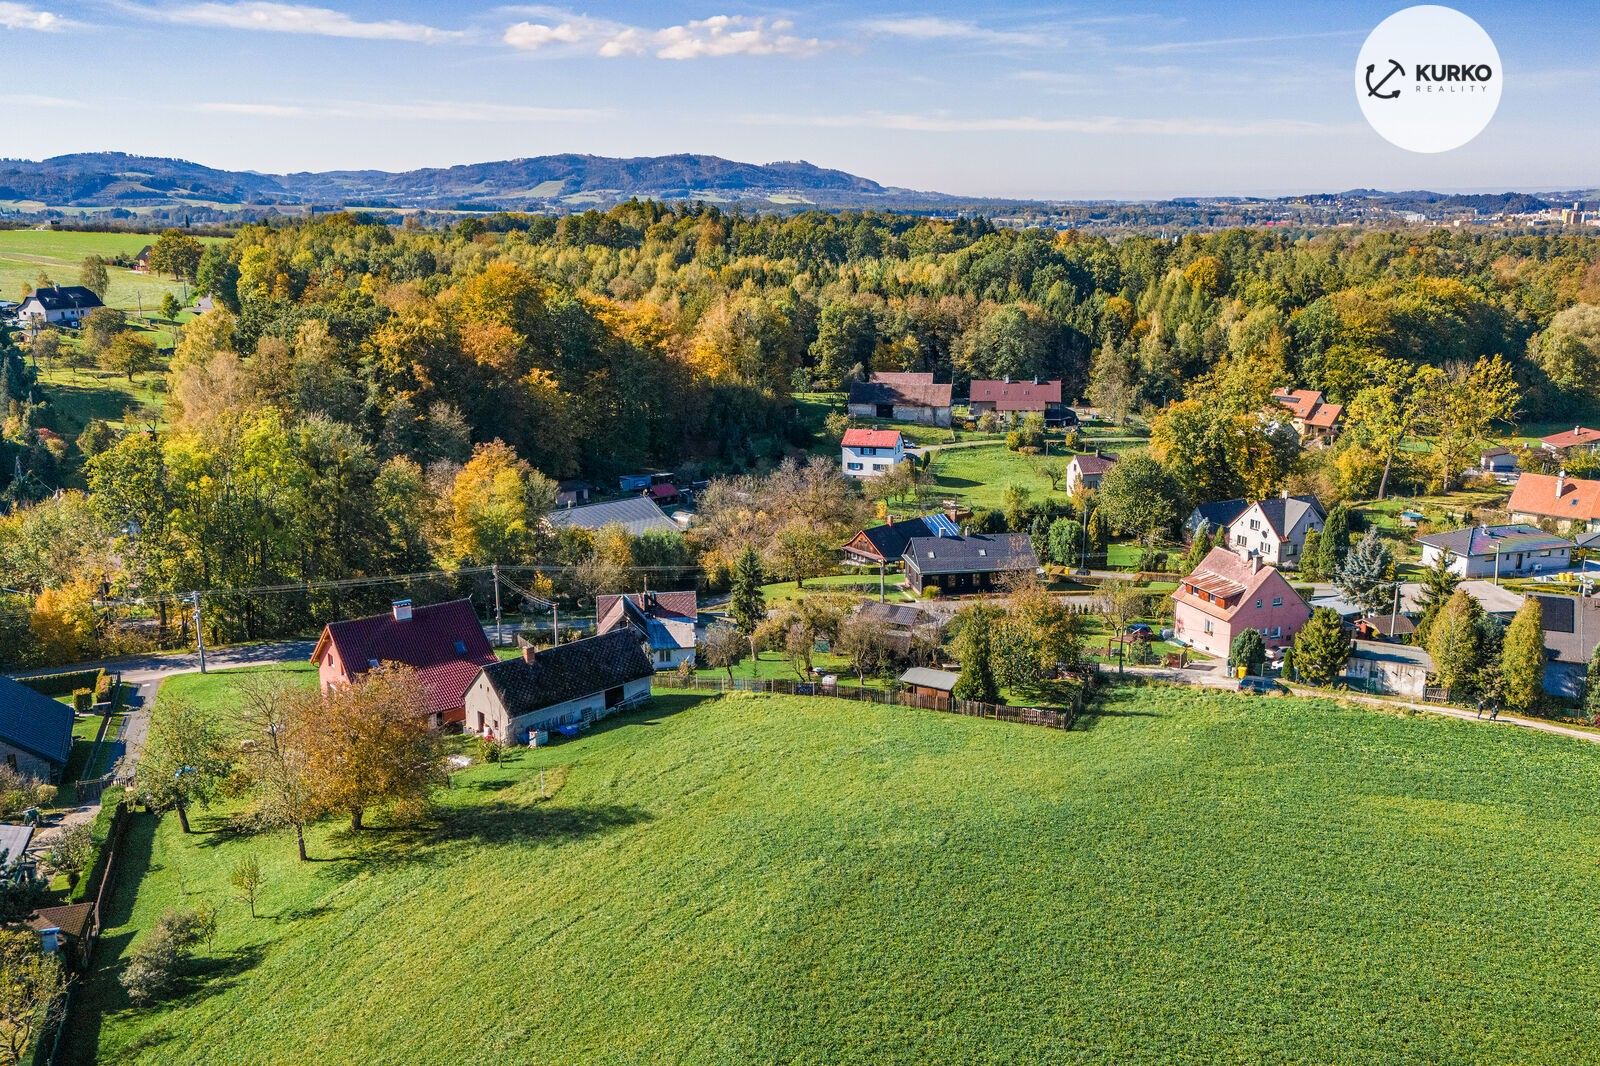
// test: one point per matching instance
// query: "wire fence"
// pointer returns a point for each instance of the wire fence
(1051, 718)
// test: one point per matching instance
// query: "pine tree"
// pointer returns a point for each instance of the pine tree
(1456, 643)
(1334, 541)
(747, 609)
(975, 647)
(1364, 576)
(1321, 648)
(1438, 585)
(1522, 660)
(1311, 557)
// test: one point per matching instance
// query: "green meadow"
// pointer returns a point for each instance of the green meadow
(26, 253)
(1185, 876)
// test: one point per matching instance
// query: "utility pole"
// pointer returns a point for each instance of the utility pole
(199, 632)
(495, 571)
(882, 579)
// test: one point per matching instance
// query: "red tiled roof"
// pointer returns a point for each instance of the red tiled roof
(664, 491)
(871, 438)
(1575, 436)
(1223, 574)
(1017, 395)
(426, 642)
(1094, 464)
(1579, 500)
(608, 607)
(1307, 405)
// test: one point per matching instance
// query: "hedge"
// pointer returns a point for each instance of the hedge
(64, 684)
(99, 832)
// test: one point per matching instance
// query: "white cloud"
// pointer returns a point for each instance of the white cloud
(422, 110)
(18, 17)
(267, 17)
(32, 100)
(937, 28)
(1105, 124)
(1166, 47)
(719, 35)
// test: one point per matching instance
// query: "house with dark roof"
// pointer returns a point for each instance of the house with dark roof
(1085, 471)
(443, 642)
(35, 731)
(1393, 669)
(1571, 633)
(905, 626)
(637, 514)
(1316, 422)
(870, 452)
(566, 687)
(1007, 397)
(664, 621)
(1213, 516)
(1229, 592)
(1573, 503)
(1276, 528)
(884, 545)
(1570, 442)
(902, 397)
(141, 262)
(1497, 551)
(962, 564)
(60, 305)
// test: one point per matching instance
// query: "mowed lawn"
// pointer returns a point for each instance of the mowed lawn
(980, 475)
(1186, 876)
(24, 253)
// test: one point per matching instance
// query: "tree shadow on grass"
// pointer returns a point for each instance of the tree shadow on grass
(946, 482)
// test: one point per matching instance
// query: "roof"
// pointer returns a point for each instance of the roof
(871, 438)
(1390, 625)
(636, 514)
(975, 554)
(13, 842)
(1571, 627)
(1284, 512)
(1307, 405)
(1577, 499)
(908, 390)
(65, 297)
(1384, 652)
(1496, 452)
(569, 671)
(664, 490)
(893, 614)
(1577, 435)
(72, 919)
(36, 724)
(889, 539)
(1218, 513)
(1016, 395)
(1477, 541)
(924, 677)
(1223, 573)
(1494, 599)
(1094, 463)
(1338, 605)
(667, 618)
(427, 642)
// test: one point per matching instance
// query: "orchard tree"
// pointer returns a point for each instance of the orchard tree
(129, 353)
(186, 760)
(722, 647)
(279, 717)
(33, 989)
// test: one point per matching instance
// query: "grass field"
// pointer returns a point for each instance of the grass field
(1186, 876)
(979, 476)
(24, 253)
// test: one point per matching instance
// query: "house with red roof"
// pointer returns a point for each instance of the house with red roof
(1577, 439)
(1007, 397)
(1572, 502)
(443, 642)
(869, 452)
(1316, 422)
(1229, 592)
(1085, 471)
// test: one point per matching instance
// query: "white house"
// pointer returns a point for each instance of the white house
(664, 620)
(1497, 551)
(572, 684)
(1085, 471)
(1275, 529)
(62, 305)
(869, 452)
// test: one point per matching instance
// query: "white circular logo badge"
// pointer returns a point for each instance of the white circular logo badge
(1429, 79)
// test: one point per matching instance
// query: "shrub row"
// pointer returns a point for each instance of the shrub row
(68, 682)
(100, 833)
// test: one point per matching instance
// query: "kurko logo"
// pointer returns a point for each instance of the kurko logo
(1428, 79)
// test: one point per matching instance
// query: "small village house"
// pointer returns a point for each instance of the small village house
(573, 492)
(1389, 669)
(1571, 442)
(570, 685)
(35, 731)
(664, 621)
(636, 514)
(60, 305)
(1085, 471)
(1498, 461)
(443, 642)
(903, 397)
(906, 626)
(1497, 551)
(884, 545)
(963, 564)
(1573, 503)
(1210, 517)
(1013, 398)
(1229, 592)
(1316, 422)
(14, 861)
(1276, 528)
(1571, 633)
(1386, 627)
(1497, 601)
(141, 261)
(869, 452)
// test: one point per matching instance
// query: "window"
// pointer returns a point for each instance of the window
(663, 655)
(1238, 540)
(868, 451)
(1277, 601)
(461, 647)
(983, 551)
(852, 466)
(1258, 605)
(1255, 523)
(1208, 627)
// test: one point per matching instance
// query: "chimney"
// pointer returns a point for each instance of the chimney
(529, 653)
(1285, 494)
(1561, 484)
(1255, 564)
(402, 610)
(1008, 379)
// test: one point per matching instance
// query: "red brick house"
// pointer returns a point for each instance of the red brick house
(1229, 593)
(443, 642)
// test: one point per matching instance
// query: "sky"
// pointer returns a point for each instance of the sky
(1126, 100)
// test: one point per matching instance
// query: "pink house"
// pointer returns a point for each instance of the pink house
(1227, 594)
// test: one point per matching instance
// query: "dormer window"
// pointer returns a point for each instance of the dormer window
(372, 664)
(983, 551)
(461, 647)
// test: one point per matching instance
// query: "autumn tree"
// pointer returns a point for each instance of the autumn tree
(175, 253)
(186, 759)
(1457, 409)
(92, 275)
(277, 717)
(129, 353)
(722, 647)
(32, 993)
(865, 642)
(495, 508)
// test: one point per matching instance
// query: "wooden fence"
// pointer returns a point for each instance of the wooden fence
(1050, 718)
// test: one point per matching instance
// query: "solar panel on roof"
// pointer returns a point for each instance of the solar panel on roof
(941, 525)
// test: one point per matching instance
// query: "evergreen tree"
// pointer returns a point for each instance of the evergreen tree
(1321, 648)
(1248, 650)
(1098, 534)
(1522, 660)
(1364, 576)
(1334, 541)
(1591, 701)
(975, 647)
(1438, 585)
(1456, 643)
(747, 609)
(1311, 557)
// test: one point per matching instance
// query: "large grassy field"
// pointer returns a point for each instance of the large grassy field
(980, 475)
(1185, 876)
(24, 253)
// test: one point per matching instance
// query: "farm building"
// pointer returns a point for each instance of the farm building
(1085, 471)
(1316, 422)
(443, 642)
(1229, 592)
(663, 620)
(1573, 503)
(902, 397)
(1276, 528)
(571, 685)
(885, 544)
(35, 731)
(1007, 397)
(61, 305)
(869, 452)
(1391, 669)
(1497, 551)
(637, 514)
(976, 563)
(1395, 627)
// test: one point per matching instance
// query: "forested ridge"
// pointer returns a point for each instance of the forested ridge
(370, 399)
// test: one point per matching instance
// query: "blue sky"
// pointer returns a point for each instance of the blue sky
(1012, 99)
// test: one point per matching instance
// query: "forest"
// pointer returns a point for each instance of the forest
(369, 399)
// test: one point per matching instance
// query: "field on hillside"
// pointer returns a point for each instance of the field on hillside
(1187, 875)
(980, 475)
(24, 253)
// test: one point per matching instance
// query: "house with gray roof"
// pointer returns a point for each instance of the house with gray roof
(1497, 551)
(636, 514)
(1274, 530)
(35, 731)
(663, 620)
(566, 687)
(1571, 633)
(974, 563)
(60, 305)
(1219, 514)
(1391, 669)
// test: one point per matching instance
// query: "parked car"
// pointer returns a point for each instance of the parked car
(1259, 686)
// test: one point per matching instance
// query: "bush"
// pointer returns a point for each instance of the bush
(99, 832)
(72, 853)
(65, 683)
(152, 969)
(83, 700)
